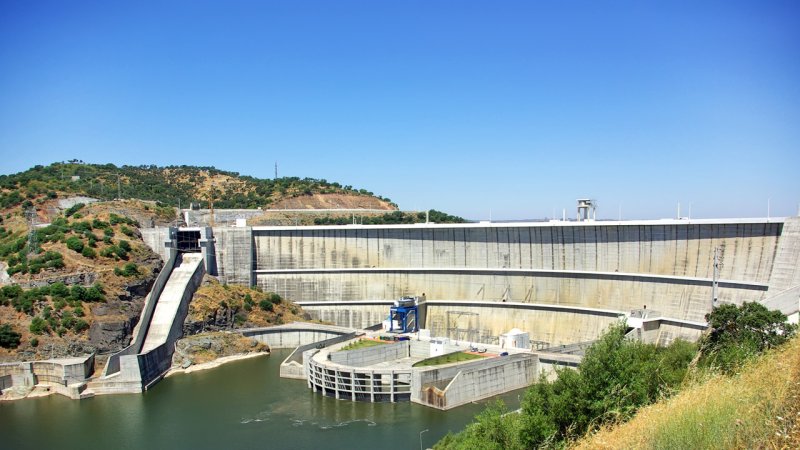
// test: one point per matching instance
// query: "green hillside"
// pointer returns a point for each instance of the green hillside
(167, 185)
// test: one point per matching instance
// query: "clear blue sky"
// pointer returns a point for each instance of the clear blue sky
(518, 107)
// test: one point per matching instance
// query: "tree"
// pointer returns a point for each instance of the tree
(738, 333)
(493, 429)
(8, 337)
(616, 377)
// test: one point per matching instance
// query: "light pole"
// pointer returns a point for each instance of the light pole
(420, 438)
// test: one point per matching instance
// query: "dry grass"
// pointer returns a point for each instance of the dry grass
(759, 408)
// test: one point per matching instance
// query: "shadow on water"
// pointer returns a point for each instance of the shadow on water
(239, 405)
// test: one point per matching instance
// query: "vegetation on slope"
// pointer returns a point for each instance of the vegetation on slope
(759, 407)
(80, 260)
(218, 306)
(617, 377)
(166, 185)
(394, 217)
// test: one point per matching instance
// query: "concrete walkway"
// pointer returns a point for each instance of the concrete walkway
(169, 301)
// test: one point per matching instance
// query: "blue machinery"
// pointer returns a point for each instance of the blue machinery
(404, 314)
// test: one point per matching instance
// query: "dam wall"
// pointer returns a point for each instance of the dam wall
(348, 274)
(670, 247)
(597, 271)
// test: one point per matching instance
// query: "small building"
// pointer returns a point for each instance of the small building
(438, 346)
(515, 338)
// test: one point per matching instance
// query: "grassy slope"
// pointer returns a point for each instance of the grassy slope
(759, 408)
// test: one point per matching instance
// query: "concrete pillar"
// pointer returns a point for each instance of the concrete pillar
(353, 385)
(391, 386)
(372, 386)
(171, 242)
(208, 249)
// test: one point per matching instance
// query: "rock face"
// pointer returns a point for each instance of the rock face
(114, 321)
(113, 335)
(82, 278)
(209, 346)
(222, 318)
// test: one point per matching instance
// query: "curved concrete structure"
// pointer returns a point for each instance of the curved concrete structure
(566, 280)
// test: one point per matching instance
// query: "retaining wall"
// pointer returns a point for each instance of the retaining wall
(294, 334)
(449, 387)
(293, 365)
(50, 372)
(371, 355)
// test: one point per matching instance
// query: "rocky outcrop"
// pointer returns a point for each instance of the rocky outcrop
(222, 318)
(114, 321)
(82, 278)
(207, 347)
(112, 335)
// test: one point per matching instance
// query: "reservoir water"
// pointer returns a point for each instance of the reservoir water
(240, 405)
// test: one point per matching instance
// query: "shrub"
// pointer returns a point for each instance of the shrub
(89, 252)
(120, 252)
(73, 209)
(8, 337)
(34, 342)
(266, 305)
(741, 332)
(80, 325)
(125, 245)
(78, 292)
(615, 378)
(75, 244)
(38, 326)
(59, 290)
(68, 320)
(96, 293)
(128, 270)
(239, 318)
(81, 227)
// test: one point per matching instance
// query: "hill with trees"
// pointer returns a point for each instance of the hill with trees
(169, 185)
(74, 269)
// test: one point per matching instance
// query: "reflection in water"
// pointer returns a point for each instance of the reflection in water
(239, 405)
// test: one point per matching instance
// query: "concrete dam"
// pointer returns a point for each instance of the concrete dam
(562, 282)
